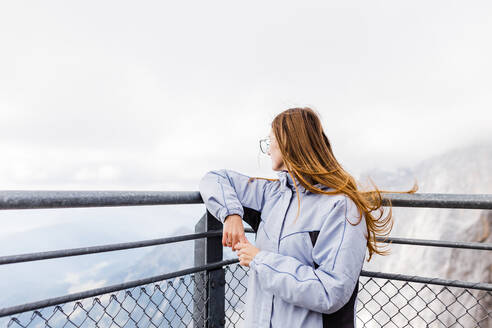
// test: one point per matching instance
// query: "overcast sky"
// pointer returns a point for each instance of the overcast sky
(151, 94)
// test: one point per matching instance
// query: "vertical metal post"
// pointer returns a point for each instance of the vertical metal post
(200, 290)
(209, 294)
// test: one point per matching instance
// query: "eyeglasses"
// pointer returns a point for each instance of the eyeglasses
(265, 145)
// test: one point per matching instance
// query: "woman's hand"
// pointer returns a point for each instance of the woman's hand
(246, 252)
(233, 232)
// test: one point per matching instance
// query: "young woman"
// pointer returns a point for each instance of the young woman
(307, 258)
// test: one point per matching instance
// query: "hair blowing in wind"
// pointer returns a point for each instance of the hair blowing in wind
(307, 153)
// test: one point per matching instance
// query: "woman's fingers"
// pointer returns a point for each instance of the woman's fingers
(228, 239)
(224, 238)
(233, 230)
(233, 233)
(240, 244)
(236, 237)
(244, 259)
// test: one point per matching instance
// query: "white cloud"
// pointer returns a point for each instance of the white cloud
(82, 280)
(88, 285)
(156, 94)
(104, 172)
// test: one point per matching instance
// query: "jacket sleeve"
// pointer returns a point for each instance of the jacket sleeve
(225, 192)
(340, 251)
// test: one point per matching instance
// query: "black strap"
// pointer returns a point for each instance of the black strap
(253, 218)
(344, 317)
(314, 237)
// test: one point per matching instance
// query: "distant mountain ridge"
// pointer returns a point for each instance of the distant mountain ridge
(465, 170)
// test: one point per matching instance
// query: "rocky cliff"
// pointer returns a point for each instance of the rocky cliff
(465, 170)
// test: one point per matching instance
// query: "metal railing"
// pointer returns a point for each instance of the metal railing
(212, 293)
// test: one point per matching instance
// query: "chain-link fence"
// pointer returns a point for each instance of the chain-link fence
(176, 303)
(168, 303)
(390, 303)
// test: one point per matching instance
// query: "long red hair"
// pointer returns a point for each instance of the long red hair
(307, 154)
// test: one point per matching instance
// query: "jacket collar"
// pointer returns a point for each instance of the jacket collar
(287, 182)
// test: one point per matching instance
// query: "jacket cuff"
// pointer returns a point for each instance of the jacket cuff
(224, 212)
(259, 258)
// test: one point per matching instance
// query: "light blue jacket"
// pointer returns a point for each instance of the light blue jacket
(284, 287)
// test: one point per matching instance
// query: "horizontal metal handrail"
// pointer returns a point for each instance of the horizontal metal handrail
(433, 200)
(431, 281)
(212, 266)
(37, 256)
(28, 199)
(437, 243)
